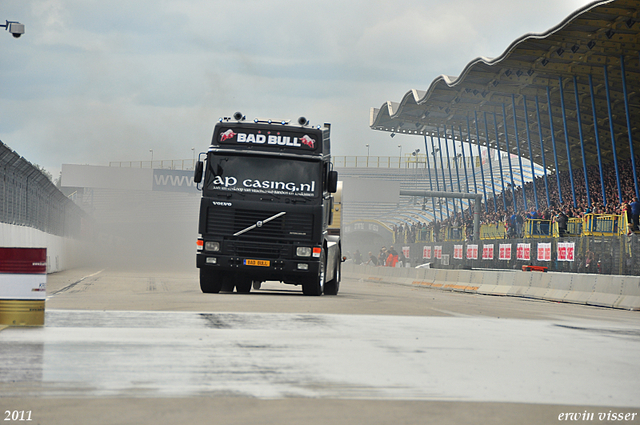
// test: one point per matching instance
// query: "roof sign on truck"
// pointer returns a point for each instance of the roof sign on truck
(268, 138)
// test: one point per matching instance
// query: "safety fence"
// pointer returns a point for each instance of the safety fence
(587, 254)
(29, 198)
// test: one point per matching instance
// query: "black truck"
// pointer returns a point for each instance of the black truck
(266, 207)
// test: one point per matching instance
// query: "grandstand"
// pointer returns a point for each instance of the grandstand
(566, 100)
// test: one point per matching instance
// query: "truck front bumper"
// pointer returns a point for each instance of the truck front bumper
(260, 269)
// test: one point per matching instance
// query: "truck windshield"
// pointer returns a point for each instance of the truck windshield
(260, 175)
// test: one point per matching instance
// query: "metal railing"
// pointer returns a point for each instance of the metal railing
(166, 164)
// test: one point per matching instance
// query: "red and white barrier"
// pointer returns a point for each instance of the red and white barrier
(23, 286)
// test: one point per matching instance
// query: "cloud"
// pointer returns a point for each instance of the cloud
(97, 81)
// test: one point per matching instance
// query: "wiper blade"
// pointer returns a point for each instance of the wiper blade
(260, 223)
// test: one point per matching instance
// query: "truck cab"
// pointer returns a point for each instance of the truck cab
(266, 207)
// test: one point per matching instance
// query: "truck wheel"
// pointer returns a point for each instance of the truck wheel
(210, 281)
(315, 286)
(243, 285)
(332, 287)
(227, 283)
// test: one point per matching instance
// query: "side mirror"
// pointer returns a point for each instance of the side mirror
(197, 175)
(333, 182)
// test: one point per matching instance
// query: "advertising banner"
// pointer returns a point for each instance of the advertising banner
(457, 252)
(524, 251)
(505, 251)
(544, 251)
(174, 181)
(487, 252)
(566, 251)
(472, 252)
(426, 252)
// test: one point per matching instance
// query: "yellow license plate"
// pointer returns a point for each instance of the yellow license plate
(261, 263)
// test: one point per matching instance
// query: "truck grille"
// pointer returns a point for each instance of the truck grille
(291, 226)
(258, 250)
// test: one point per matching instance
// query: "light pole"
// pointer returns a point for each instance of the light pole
(151, 150)
(193, 151)
(367, 145)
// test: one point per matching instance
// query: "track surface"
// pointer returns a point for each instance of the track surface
(148, 347)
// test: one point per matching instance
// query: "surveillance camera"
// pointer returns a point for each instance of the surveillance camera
(16, 29)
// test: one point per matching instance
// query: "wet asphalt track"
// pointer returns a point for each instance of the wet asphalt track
(461, 349)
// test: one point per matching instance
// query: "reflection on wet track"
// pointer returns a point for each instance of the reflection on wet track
(148, 354)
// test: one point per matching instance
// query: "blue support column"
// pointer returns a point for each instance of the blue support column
(444, 179)
(544, 161)
(493, 186)
(533, 168)
(435, 170)
(626, 108)
(433, 202)
(515, 131)
(553, 144)
(584, 160)
(484, 186)
(464, 163)
(455, 155)
(613, 137)
(446, 145)
(495, 127)
(595, 130)
(566, 138)
(506, 137)
(473, 168)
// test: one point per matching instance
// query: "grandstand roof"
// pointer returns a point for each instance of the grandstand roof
(601, 34)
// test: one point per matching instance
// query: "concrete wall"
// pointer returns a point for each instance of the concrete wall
(591, 289)
(62, 253)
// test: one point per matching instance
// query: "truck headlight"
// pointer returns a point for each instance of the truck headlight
(303, 251)
(212, 246)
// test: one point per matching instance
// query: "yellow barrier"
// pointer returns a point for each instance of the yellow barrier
(534, 228)
(493, 231)
(590, 225)
(603, 225)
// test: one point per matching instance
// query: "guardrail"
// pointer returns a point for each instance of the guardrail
(621, 292)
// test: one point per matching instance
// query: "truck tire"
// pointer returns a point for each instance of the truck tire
(243, 285)
(227, 283)
(332, 287)
(210, 281)
(315, 286)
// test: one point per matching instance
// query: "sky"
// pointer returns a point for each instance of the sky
(93, 82)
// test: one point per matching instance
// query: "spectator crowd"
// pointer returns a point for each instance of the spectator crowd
(557, 209)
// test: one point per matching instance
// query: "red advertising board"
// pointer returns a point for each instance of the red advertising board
(566, 251)
(544, 251)
(505, 251)
(524, 251)
(472, 252)
(487, 252)
(23, 260)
